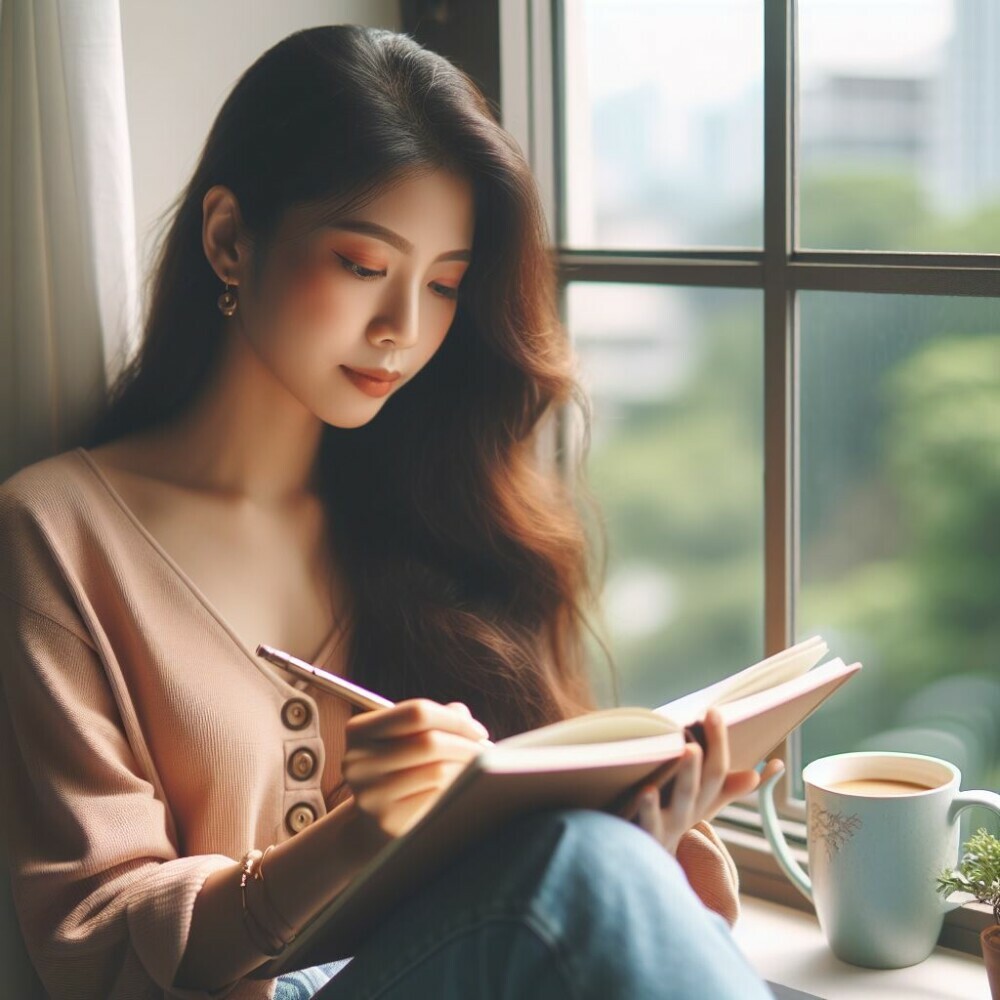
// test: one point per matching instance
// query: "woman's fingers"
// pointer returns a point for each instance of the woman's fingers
(679, 816)
(715, 766)
(649, 813)
(687, 785)
(361, 763)
(399, 760)
(702, 786)
(717, 759)
(404, 814)
(391, 789)
(394, 802)
(739, 784)
(628, 807)
(415, 715)
(771, 768)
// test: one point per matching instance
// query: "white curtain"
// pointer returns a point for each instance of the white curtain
(68, 272)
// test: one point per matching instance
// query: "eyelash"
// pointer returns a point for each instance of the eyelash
(364, 273)
(367, 274)
(444, 291)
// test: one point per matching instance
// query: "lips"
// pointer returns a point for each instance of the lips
(371, 381)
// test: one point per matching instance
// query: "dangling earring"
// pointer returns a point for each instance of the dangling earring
(227, 302)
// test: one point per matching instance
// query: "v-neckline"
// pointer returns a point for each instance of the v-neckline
(318, 658)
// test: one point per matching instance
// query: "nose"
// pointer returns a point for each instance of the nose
(397, 324)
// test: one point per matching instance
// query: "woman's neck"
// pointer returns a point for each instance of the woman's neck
(244, 437)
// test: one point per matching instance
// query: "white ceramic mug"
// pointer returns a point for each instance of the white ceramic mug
(881, 826)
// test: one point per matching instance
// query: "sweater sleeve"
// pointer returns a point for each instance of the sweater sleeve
(103, 899)
(711, 870)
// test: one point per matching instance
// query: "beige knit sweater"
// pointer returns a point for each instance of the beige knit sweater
(144, 746)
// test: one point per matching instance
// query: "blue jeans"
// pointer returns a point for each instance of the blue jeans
(566, 903)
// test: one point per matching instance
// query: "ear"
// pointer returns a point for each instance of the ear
(221, 229)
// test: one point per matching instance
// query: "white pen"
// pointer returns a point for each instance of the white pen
(354, 693)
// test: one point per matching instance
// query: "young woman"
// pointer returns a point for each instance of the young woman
(327, 443)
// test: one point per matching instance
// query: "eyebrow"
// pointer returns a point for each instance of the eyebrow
(393, 239)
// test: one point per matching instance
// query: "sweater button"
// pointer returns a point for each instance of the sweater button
(299, 817)
(295, 713)
(302, 764)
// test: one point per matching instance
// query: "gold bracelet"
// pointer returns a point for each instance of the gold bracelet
(259, 874)
(248, 870)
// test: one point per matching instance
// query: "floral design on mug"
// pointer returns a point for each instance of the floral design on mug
(833, 828)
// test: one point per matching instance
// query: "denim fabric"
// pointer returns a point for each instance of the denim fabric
(304, 983)
(565, 903)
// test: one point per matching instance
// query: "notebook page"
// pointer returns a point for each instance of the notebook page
(773, 670)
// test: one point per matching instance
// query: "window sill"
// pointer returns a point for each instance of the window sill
(786, 946)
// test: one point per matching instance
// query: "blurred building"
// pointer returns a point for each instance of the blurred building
(869, 121)
(968, 164)
(933, 121)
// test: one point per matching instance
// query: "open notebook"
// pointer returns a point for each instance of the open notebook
(585, 762)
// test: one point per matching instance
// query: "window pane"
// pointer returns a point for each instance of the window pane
(900, 522)
(899, 145)
(663, 123)
(676, 463)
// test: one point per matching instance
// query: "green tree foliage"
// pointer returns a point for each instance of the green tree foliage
(900, 492)
(858, 209)
(925, 610)
(679, 482)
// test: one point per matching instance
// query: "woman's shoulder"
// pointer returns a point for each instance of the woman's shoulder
(42, 470)
(49, 506)
(45, 510)
(44, 488)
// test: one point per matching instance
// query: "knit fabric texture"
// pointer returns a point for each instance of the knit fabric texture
(145, 746)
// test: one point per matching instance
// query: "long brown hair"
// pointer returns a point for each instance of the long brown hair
(468, 564)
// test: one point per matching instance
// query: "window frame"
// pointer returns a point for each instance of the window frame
(531, 34)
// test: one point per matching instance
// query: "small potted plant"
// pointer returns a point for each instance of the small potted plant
(979, 874)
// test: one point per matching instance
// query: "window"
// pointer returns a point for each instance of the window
(675, 379)
(778, 231)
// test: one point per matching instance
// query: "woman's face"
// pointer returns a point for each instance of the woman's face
(374, 291)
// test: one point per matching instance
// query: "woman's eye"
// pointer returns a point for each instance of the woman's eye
(365, 273)
(444, 291)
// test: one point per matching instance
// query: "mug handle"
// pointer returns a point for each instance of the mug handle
(961, 802)
(975, 797)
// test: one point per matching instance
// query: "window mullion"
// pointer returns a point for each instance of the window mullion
(780, 333)
(779, 330)
(544, 53)
(808, 274)
(720, 273)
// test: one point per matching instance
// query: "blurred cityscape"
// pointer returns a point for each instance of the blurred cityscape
(665, 161)
(899, 149)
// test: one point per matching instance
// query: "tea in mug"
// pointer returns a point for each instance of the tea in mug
(878, 787)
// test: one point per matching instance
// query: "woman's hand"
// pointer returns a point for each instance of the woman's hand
(703, 785)
(399, 760)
